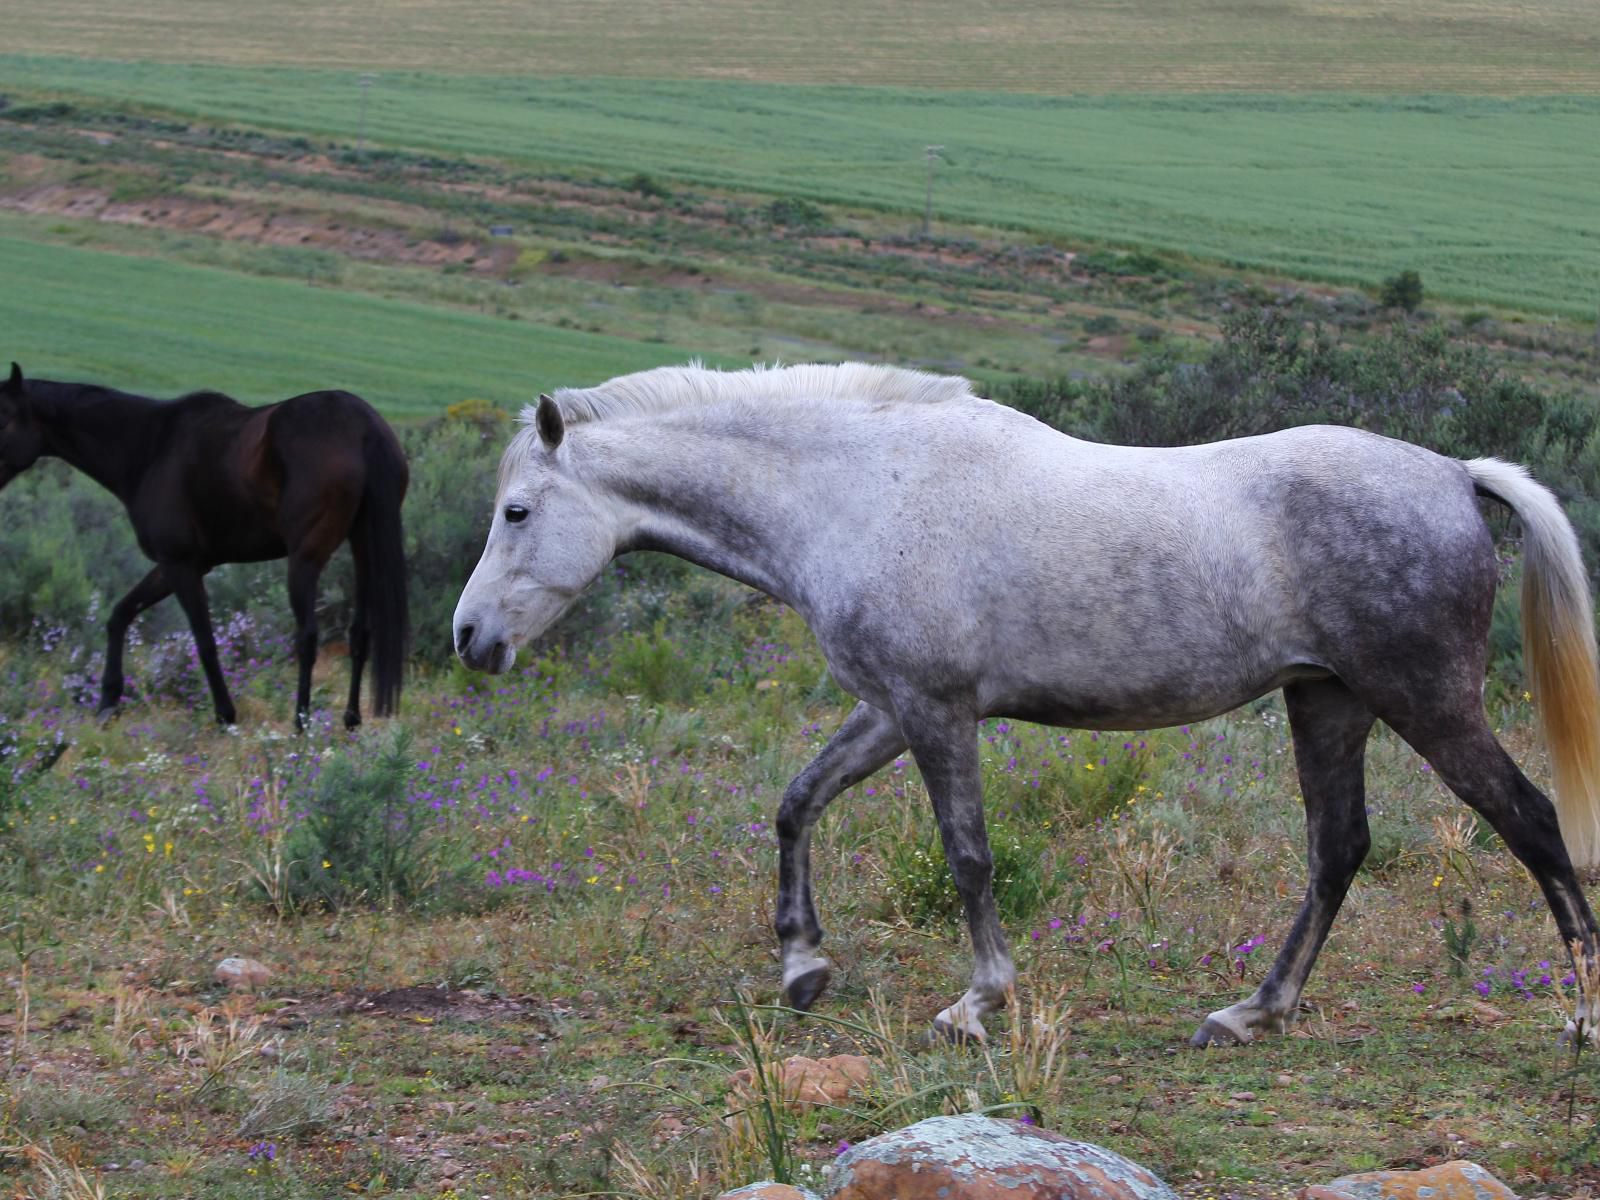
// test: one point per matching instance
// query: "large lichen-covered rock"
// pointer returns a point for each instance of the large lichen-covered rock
(767, 1190)
(1460, 1180)
(980, 1158)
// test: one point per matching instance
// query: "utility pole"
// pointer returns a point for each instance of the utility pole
(933, 153)
(361, 123)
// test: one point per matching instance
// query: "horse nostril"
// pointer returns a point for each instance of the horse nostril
(464, 639)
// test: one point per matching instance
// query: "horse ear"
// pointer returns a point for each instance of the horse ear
(551, 426)
(14, 384)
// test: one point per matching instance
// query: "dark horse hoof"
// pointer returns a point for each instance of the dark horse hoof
(802, 993)
(352, 719)
(105, 713)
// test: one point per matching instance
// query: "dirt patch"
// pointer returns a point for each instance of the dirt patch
(246, 223)
(422, 1003)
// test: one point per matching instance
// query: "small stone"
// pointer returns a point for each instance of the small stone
(981, 1158)
(241, 974)
(803, 1081)
(1241, 1095)
(1459, 1180)
(1285, 1080)
(1113, 1080)
(587, 997)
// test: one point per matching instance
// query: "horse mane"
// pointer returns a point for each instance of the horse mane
(691, 386)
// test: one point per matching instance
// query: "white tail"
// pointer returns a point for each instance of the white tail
(1558, 648)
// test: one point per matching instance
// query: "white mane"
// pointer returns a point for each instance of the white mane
(666, 389)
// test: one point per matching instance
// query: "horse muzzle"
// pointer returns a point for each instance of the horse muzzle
(482, 649)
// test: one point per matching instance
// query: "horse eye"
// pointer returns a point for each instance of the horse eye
(515, 513)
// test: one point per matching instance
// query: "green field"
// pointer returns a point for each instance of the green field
(1487, 46)
(1491, 200)
(162, 328)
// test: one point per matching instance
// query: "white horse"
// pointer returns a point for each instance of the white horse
(957, 559)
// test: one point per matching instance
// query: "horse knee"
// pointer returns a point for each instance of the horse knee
(972, 868)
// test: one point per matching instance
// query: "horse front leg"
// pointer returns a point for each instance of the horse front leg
(1330, 728)
(868, 739)
(943, 739)
(152, 589)
(189, 584)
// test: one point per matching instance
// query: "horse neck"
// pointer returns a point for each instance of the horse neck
(720, 498)
(103, 433)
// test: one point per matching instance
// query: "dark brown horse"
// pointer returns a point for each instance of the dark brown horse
(207, 480)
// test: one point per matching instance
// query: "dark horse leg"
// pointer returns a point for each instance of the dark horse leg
(1330, 728)
(303, 575)
(317, 519)
(867, 740)
(360, 642)
(189, 584)
(152, 589)
(943, 739)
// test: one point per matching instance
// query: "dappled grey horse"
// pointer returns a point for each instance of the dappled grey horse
(957, 559)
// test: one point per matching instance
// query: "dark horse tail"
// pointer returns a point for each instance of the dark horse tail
(381, 570)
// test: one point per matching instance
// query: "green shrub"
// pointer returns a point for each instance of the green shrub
(648, 186)
(792, 210)
(1402, 291)
(359, 840)
(1025, 879)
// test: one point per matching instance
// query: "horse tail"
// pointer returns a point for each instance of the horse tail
(1558, 648)
(381, 569)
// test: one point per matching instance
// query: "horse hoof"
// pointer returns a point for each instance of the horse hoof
(1214, 1033)
(1591, 1035)
(352, 719)
(802, 992)
(105, 713)
(946, 1033)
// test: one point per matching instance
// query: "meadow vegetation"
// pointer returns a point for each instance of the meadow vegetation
(1498, 47)
(1486, 196)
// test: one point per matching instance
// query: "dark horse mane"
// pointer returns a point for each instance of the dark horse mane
(207, 480)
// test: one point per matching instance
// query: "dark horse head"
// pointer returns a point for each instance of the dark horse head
(21, 436)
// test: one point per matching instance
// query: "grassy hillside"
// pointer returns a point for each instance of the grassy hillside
(1490, 46)
(162, 328)
(1489, 199)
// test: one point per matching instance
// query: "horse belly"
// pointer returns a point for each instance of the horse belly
(1108, 703)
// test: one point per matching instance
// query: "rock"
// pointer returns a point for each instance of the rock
(241, 974)
(802, 1081)
(1459, 1180)
(767, 1190)
(981, 1158)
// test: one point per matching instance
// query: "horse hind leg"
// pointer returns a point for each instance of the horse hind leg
(1330, 726)
(868, 739)
(360, 633)
(943, 739)
(1465, 754)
